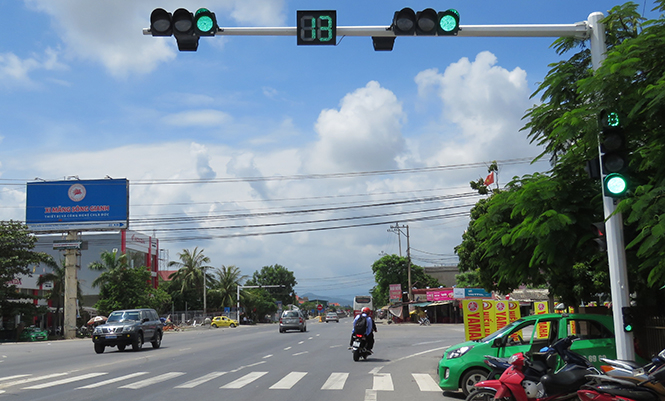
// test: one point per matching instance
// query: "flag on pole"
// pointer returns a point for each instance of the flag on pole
(489, 180)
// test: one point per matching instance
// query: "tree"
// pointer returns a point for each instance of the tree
(276, 275)
(392, 269)
(190, 276)
(16, 256)
(125, 287)
(226, 286)
(57, 293)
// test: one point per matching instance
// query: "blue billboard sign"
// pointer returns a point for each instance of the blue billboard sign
(477, 293)
(81, 205)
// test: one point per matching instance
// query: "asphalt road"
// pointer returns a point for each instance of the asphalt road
(243, 363)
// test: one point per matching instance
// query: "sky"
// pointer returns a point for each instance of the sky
(262, 152)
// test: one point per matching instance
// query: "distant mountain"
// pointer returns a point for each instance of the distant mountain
(332, 300)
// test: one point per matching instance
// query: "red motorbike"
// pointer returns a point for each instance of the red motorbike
(532, 376)
(607, 388)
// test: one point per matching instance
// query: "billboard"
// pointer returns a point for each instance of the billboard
(77, 205)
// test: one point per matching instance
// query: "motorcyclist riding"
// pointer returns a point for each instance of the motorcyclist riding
(370, 328)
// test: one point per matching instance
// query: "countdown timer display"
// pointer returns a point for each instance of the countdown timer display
(317, 27)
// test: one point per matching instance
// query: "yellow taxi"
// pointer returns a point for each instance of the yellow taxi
(223, 321)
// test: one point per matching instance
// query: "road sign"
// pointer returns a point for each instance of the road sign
(319, 307)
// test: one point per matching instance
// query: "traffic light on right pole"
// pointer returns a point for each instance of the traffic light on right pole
(614, 155)
(427, 22)
(628, 319)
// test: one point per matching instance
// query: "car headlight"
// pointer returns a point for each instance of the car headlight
(129, 329)
(456, 353)
(97, 330)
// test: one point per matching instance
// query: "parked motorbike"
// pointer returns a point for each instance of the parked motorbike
(625, 381)
(497, 365)
(359, 347)
(531, 376)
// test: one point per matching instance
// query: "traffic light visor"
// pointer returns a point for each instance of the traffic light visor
(404, 22)
(182, 21)
(160, 22)
(426, 22)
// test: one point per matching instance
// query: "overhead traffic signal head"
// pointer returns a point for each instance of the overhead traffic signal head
(428, 22)
(185, 26)
(614, 157)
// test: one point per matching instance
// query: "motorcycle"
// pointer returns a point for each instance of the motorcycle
(625, 381)
(359, 347)
(497, 365)
(531, 376)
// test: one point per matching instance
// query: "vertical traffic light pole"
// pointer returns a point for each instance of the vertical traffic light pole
(616, 252)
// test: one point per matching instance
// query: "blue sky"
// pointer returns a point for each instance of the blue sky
(264, 135)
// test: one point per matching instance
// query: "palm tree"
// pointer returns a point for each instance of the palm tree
(57, 294)
(192, 271)
(228, 280)
(109, 261)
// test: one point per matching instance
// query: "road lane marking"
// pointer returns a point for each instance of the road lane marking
(12, 377)
(201, 380)
(370, 395)
(245, 380)
(153, 380)
(375, 370)
(302, 342)
(32, 379)
(267, 356)
(288, 381)
(301, 353)
(63, 381)
(114, 380)
(426, 382)
(311, 338)
(247, 366)
(383, 382)
(335, 381)
(287, 348)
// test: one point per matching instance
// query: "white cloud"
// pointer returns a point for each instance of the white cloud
(15, 71)
(364, 134)
(110, 32)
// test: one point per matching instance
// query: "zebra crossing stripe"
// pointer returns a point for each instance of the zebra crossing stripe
(383, 382)
(288, 381)
(153, 380)
(31, 379)
(335, 381)
(425, 382)
(245, 380)
(201, 380)
(63, 381)
(114, 380)
(12, 377)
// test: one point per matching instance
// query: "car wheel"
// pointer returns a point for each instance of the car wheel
(472, 377)
(99, 348)
(157, 342)
(121, 347)
(281, 331)
(215, 326)
(137, 344)
(232, 325)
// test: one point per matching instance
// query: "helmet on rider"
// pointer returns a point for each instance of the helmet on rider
(365, 310)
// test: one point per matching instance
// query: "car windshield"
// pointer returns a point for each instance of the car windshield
(290, 314)
(119, 317)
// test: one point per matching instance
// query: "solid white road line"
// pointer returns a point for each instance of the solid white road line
(114, 380)
(63, 381)
(201, 380)
(245, 380)
(335, 381)
(153, 380)
(426, 382)
(383, 382)
(288, 381)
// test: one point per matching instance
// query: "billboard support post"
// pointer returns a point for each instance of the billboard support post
(69, 329)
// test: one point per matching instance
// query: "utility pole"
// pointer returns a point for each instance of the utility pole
(71, 281)
(398, 230)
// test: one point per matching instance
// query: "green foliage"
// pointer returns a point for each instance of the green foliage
(276, 275)
(536, 231)
(392, 269)
(124, 287)
(16, 256)
(186, 287)
(224, 291)
(258, 302)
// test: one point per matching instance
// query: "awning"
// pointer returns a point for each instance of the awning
(439, 303)
(421, 304)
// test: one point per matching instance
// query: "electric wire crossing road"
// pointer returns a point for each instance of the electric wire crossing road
(335, 381)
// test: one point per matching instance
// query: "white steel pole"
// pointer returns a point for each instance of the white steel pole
(616, 252)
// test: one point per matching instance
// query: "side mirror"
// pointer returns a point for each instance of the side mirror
(145, 319)
(497, 343)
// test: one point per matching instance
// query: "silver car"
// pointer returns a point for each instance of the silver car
(292, 320)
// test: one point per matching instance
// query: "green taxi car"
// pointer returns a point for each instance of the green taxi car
(462, 365)
(33, 334)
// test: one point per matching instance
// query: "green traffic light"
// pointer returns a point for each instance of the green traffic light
(616, 185)
(628, 328)
(448, 22)
(205, 22)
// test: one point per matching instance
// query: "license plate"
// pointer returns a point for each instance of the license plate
(356, 343)
(111, 336)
